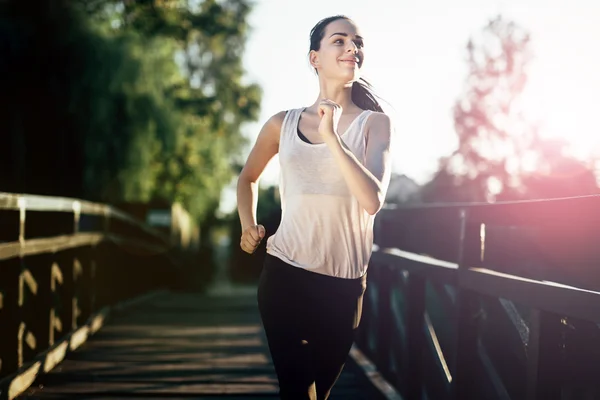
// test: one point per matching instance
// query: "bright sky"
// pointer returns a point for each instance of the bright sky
(415, 58)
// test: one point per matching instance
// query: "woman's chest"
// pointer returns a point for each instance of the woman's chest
(313, 168)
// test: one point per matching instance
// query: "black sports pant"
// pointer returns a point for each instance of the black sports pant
(310, 320)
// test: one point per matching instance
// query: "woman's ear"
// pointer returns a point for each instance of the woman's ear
(314, 59)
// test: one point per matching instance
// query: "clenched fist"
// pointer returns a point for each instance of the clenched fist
(251, 238)
(330, 113)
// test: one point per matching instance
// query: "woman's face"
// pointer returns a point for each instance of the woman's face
(341, 54)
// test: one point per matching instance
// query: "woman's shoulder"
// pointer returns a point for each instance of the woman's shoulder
(378, 118)
(378, 115)
(379, 121)
(277, 117)
(276, 120)
(272, 127)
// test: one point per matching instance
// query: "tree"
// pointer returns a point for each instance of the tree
(490, 126)
(499, 153)
(191, 159)
(125, 100)
(556, 174)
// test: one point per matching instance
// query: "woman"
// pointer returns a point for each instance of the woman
(335, 170)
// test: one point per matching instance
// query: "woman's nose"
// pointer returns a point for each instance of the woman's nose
(353, 48)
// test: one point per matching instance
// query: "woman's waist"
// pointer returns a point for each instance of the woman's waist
(320, 267)
(331, 250)
(307, 208)
(325, 229)
(277, 265)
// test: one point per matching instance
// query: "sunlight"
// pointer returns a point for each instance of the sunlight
(563, 103)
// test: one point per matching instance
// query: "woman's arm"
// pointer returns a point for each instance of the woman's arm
(265, 148)
(367, 183)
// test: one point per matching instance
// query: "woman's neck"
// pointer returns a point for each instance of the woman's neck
(339, 93)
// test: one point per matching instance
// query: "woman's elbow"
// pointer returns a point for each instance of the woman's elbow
(371, 211)
(374, 206)
(245, 180)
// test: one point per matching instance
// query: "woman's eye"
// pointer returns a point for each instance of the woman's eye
(358, 44)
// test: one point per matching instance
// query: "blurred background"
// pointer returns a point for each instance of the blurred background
(153, 105)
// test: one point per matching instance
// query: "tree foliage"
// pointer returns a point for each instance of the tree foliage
(126, 100)
(500, 153)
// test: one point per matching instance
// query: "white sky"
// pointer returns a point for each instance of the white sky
(415, 58)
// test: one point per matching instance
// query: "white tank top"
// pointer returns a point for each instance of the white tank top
(323, 227)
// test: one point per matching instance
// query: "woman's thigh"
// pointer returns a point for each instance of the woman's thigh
(310, 321)
(286, 325)
(331, 343)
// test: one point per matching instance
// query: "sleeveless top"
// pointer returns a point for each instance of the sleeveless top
(323, 227)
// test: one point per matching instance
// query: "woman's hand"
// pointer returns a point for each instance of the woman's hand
(330, 114)
(251, 238)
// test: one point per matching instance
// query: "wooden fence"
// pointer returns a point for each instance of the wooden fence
(62, 261)
(487, 301)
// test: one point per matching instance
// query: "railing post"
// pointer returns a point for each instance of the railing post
(466, 319)
(384, 313)
(74, 280)
(415, 322)
(42, 322)
(543, 357)
(104, 289)
(10, 316)
(85, 303)
(66, 268)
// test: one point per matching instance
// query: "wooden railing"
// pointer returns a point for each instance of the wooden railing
(63, 260)
(480, 301)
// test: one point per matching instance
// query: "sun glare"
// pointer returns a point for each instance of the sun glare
(562, 102)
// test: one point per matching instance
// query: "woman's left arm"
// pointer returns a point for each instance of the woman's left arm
(369, 182)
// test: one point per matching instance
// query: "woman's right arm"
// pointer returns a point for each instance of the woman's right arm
(265, 148)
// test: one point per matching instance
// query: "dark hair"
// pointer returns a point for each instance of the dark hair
(362, 94)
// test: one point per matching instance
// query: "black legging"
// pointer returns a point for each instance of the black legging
(309, 320)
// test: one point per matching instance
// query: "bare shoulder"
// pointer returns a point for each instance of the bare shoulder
(272, 127)
(379, 125)
(277, 119)
(379, 120)
(265, 148)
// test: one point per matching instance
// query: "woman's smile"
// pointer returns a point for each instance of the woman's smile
(350, 61)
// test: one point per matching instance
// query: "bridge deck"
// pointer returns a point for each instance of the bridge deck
(179, 345)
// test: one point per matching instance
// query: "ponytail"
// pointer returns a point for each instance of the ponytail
(363, 96)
